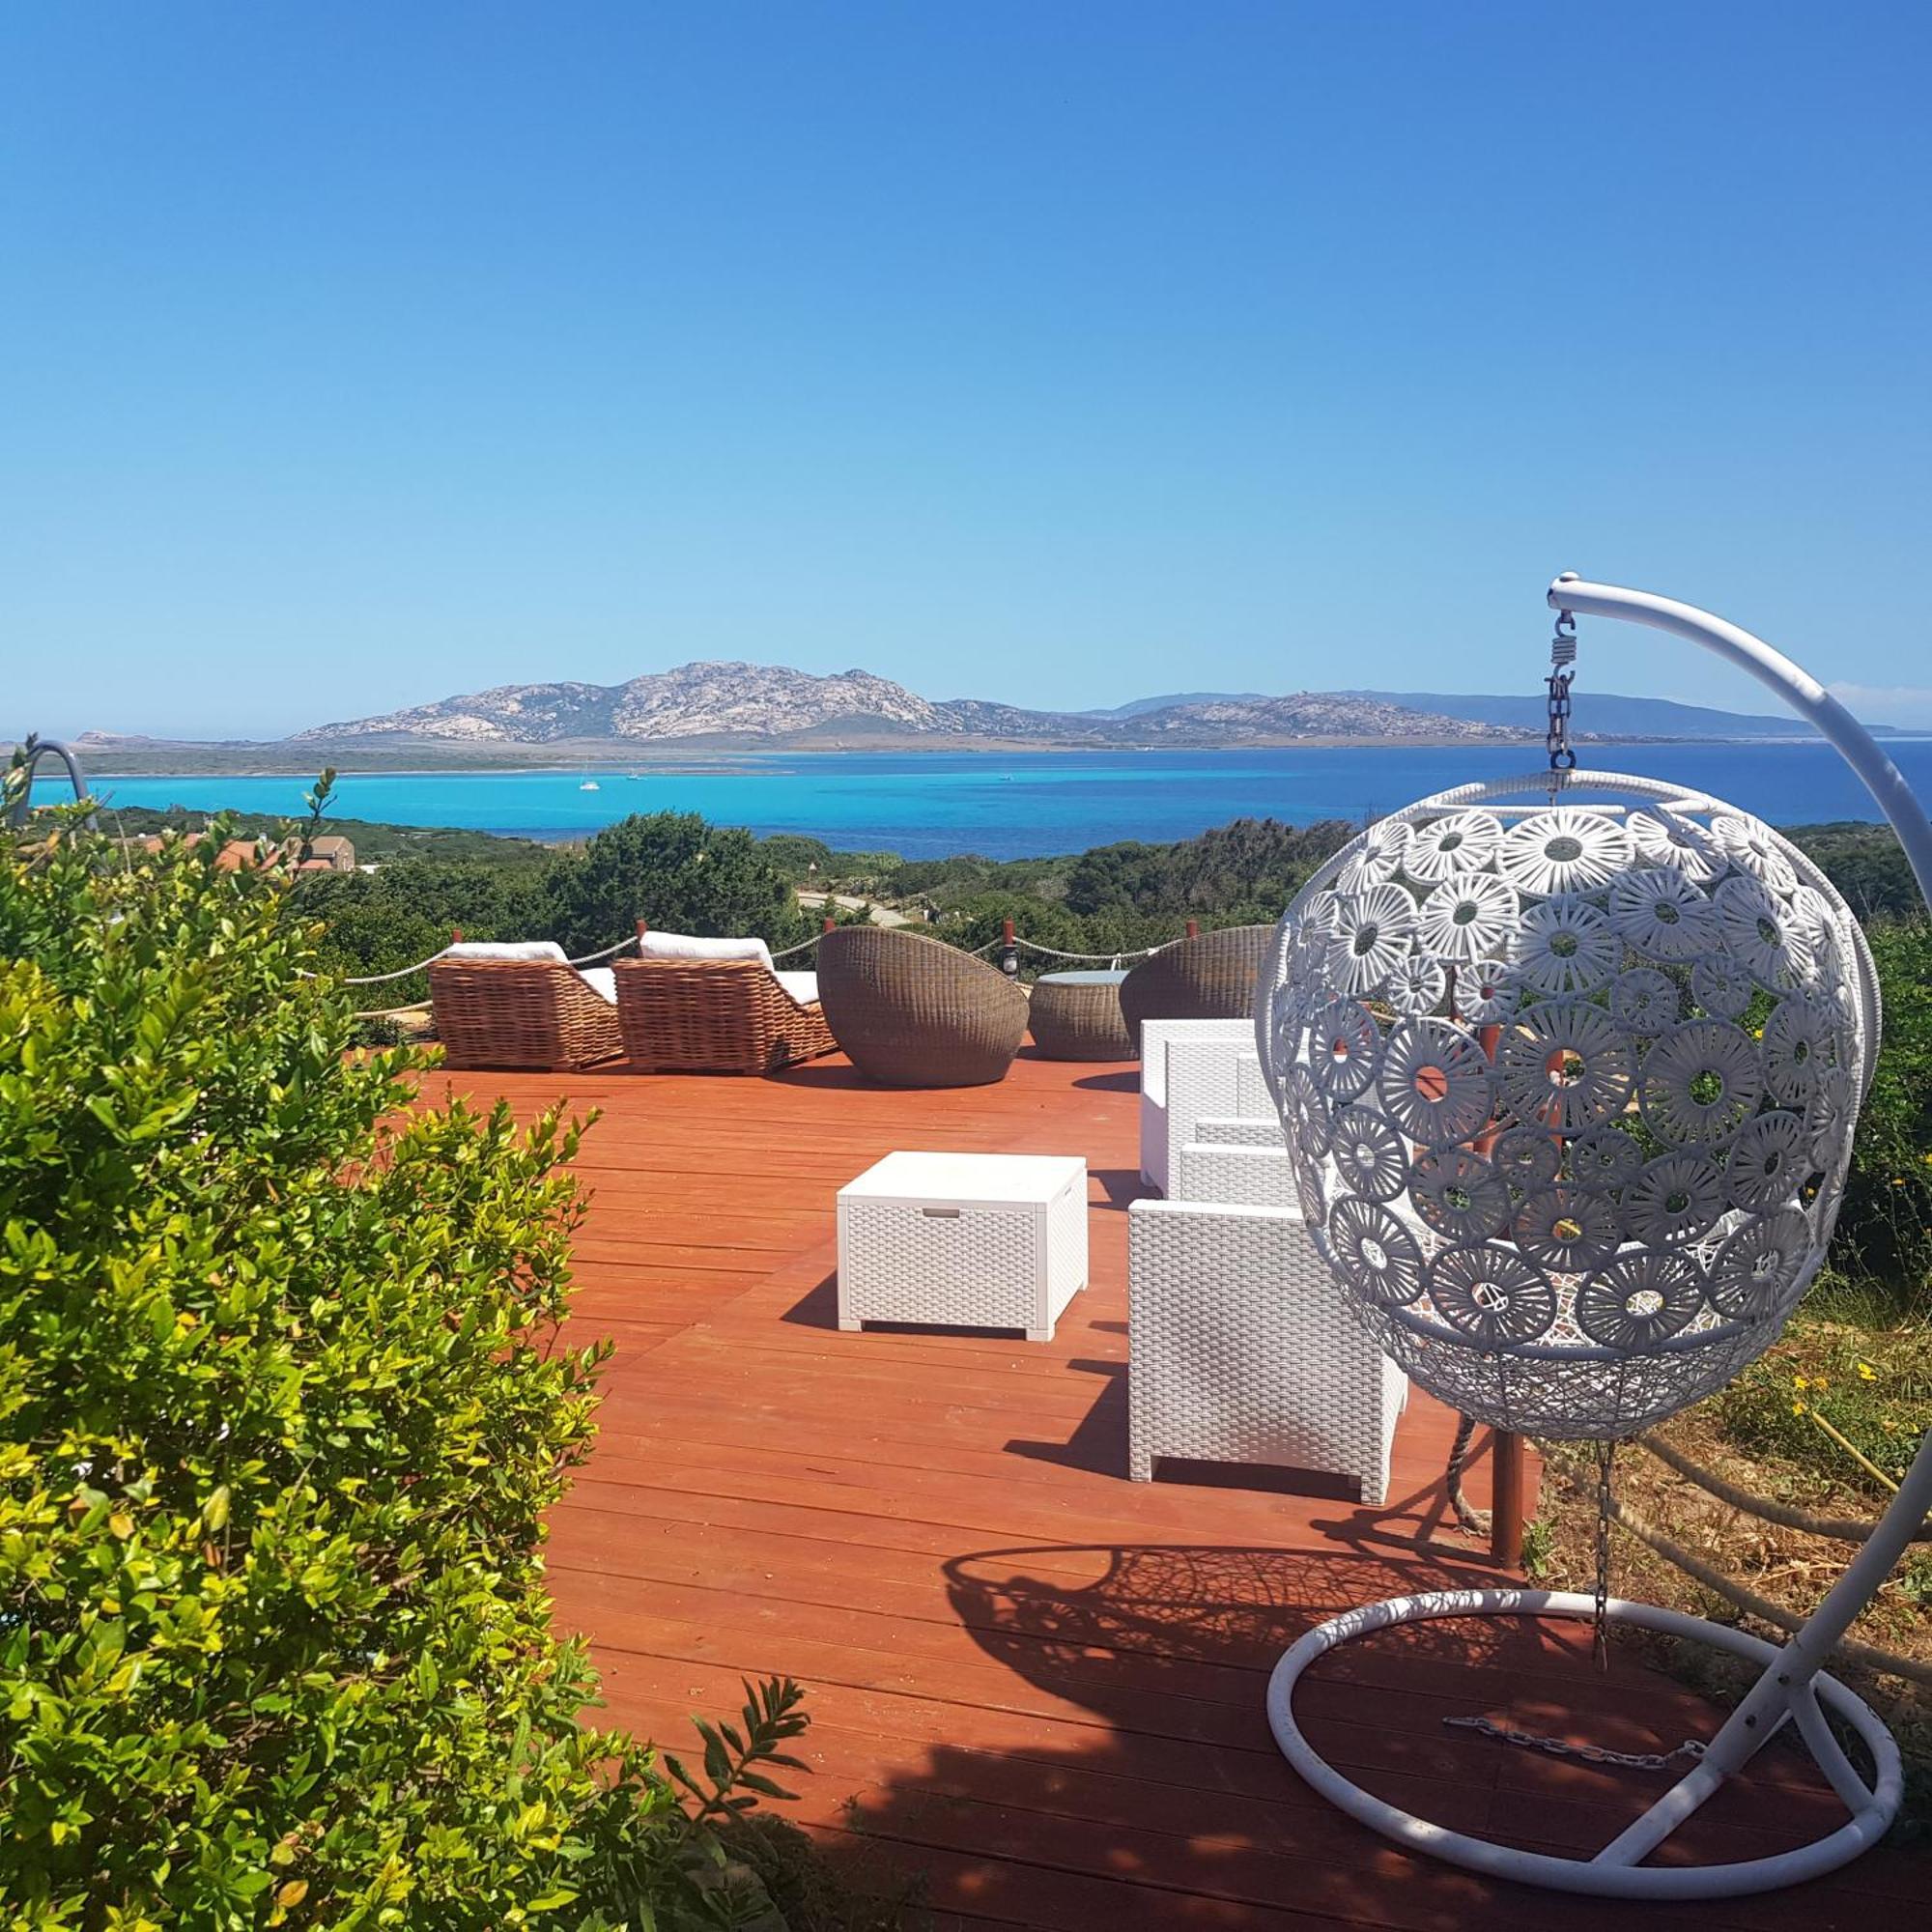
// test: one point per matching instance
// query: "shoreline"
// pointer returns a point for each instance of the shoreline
(602, 763)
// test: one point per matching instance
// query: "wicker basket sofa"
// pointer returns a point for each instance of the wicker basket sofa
(910, 1012)
(693, 1006)
(1210, 977)
(522, 1007)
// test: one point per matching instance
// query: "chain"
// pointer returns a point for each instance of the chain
(1690, 1748)
(1600, 1625)
(1562, 662)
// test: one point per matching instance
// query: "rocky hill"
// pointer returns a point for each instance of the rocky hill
(740, 704)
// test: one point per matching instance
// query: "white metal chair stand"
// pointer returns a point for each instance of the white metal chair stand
(1520, 1310)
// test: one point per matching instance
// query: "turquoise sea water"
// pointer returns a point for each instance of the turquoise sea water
(929, 804)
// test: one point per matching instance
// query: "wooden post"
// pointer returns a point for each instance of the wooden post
(642, 929)
(456, 935)
(1010, 956)
(1194, 928)
(1506, 1498)
(830, 922)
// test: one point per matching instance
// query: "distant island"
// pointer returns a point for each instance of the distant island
(707, 710)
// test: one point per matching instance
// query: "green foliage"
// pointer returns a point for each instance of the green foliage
(812, 863)
(1885, 1224)
(1846, 1406)
(1866, 863)
(982, 919)
(284, 1400)
(376, 922)
(677, 873)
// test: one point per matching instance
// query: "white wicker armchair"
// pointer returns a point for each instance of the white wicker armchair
(1188, 1069)
(1241, 1346)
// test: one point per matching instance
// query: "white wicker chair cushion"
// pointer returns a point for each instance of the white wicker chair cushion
(507, 948)
(688, 945)
(801, 986)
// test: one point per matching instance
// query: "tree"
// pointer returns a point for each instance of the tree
(283, 1404)
(676, 872)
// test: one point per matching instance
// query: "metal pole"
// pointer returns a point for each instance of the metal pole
(1794, 1679)
(35, 750)
(1772, 1700)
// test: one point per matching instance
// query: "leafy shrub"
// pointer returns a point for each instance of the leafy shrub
(284, 1400)
(1885, 1223)
(676, 872)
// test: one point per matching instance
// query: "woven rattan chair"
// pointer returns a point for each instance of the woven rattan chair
(509, 1014)
(1210, 977)
(910, 1012)
(714, 1016)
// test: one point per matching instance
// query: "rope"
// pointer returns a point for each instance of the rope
(803, 945)
(1837, 1528)
(391, 1012)
(380, 979)
(1752, 1605)
(591, 958)
(421, 965)
(1476, 1522)
(1054, 952)
(1742, 1597)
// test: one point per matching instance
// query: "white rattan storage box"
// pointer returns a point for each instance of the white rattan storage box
(966, 1241)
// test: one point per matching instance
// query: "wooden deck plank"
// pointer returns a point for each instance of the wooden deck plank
(1036, 1684)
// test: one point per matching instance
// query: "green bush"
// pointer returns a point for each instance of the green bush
(1885, 1224)
(676, 872)
(284, 1402)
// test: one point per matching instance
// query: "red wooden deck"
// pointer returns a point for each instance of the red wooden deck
(1032, 1681)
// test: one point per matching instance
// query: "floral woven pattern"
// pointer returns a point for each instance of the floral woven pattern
(1564, 851)
(1565, 1176)
(1565, 946)
(1435, 1082)
(1459, 841)
(1371, 937)
(1665, 838)
(1469, 918)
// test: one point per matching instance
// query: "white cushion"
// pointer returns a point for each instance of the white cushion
(507, 948)
(599, 979)
(684, 946)
(801, 986)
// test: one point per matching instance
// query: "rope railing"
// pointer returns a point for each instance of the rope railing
(1089, 958)
(422, 965)
(788, 953)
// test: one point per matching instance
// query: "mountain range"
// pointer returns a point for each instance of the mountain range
(730, 706)
(707, 707)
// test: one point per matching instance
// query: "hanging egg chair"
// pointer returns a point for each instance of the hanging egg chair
(1568, 1067)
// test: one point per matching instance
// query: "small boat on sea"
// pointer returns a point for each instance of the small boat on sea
(590, 784)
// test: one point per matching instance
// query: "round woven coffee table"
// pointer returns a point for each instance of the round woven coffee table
(1077, 1016)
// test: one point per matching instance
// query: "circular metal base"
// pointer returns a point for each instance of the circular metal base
(1599, 1877)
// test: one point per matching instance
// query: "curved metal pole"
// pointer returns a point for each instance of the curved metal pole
(1783, 1687)
(38, 749)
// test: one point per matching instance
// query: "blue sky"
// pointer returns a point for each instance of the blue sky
(354, 355)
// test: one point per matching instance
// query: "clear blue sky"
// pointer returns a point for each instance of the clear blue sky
(354, 355)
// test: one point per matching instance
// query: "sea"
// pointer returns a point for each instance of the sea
(1026, 803)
